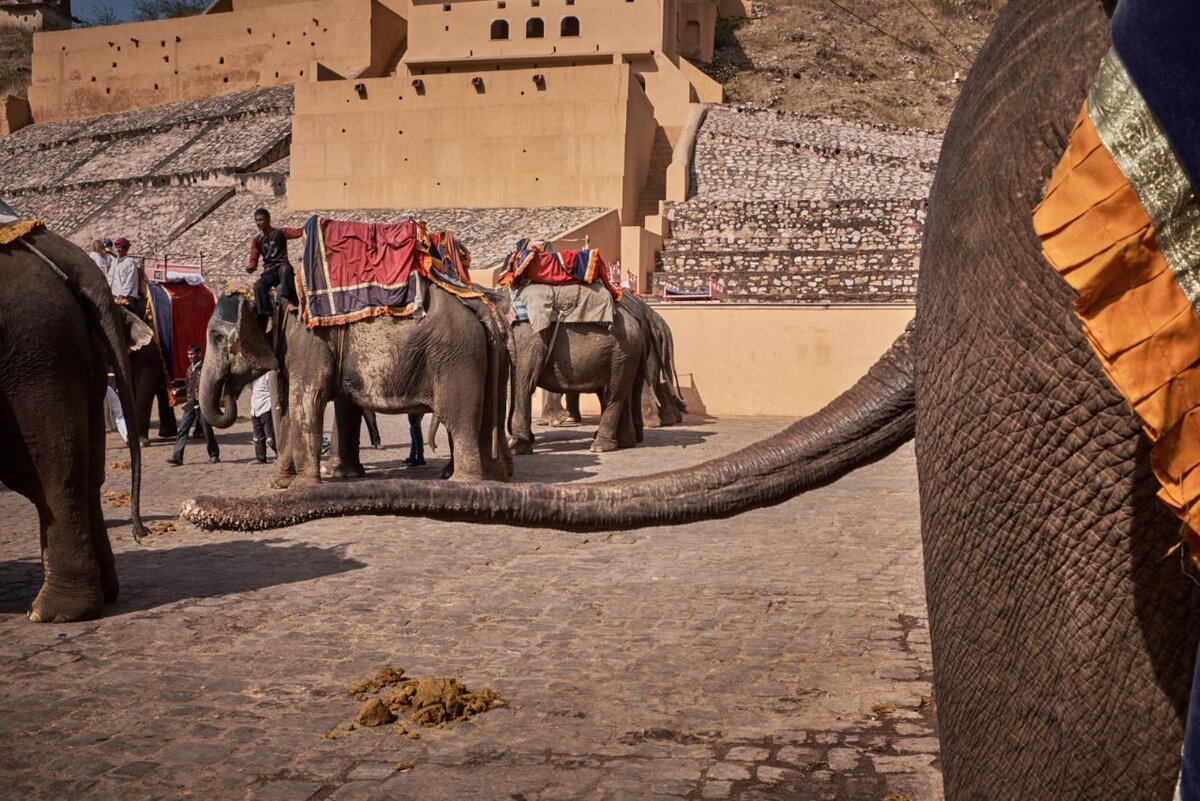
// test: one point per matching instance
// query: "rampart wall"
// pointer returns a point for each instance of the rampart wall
(784, 208)
(84, 72)
(491, 139)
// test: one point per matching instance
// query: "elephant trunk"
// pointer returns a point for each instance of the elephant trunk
(864, 424)
(217, 403)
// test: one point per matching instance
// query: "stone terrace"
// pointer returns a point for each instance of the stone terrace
(790, 208)
(185, 179)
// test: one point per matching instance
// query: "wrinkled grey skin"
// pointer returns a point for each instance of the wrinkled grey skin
(586, 357)
(442, 361)
(1063, 633)
(57, 339)
(662, 404)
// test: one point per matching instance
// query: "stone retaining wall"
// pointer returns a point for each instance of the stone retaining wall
(789, 208)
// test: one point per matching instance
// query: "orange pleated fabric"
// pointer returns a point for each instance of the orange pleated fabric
(1142, 327)
(17, 229)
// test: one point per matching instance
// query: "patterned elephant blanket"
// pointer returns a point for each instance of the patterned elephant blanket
(356, 270)
(1120, 222)
(534, 264)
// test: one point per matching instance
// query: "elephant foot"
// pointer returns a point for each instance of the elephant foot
(301, 480)
(521, 447)
(604, 444)
(447, 471)
(144, 442)
(55, 606)
(281, 480)
(345, 470)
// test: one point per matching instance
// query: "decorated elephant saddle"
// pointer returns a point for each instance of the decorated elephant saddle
(13, 226)
(1120, 222)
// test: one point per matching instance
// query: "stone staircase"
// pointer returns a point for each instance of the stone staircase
(784, 208)
(860, 251)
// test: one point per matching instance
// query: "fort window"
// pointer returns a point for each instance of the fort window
(535, 3)
(535, 28)
(501, 4)
(569, 26)
(445, 6)
(570, 2)
(499, 29)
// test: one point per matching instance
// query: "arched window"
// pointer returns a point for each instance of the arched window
(569, 26)
(499, 29)
(534, 28)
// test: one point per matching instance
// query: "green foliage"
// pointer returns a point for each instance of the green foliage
(725, 33)
(166, 9)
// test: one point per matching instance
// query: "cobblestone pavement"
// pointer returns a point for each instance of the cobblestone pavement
(780, 654)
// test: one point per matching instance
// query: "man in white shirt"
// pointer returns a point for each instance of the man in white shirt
(260, 417)
(124, 278)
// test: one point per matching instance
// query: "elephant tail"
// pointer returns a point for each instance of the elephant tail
(861, 426)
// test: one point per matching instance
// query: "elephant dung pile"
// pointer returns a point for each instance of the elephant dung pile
(431, 703)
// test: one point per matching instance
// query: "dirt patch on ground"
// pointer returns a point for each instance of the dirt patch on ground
(125, 465)
(161, 527)
(114, 500)
(888, 61)
(431, 703)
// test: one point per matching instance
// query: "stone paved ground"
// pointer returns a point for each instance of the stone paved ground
(780, 654)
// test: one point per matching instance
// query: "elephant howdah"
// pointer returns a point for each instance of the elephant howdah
(1063, 639)
(53, 376)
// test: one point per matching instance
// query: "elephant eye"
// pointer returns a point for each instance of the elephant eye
(218, 339)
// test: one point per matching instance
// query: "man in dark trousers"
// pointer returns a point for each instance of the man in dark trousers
(270, 244)
(191, 414)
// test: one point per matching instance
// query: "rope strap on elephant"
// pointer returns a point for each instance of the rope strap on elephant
(1121, 224)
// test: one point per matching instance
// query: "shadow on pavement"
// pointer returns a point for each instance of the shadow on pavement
(151, 578)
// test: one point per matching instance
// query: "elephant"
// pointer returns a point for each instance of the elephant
(1063, 629)
(662, 404)
(59, 332)
(150, 387)
(582, 357)
(445, 361)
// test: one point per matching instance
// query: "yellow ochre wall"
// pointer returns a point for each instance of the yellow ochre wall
(91, 71)
(774, 360)
(507, 144)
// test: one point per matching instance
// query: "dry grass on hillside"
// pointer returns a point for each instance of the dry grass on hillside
(816, 57)
(16, 56)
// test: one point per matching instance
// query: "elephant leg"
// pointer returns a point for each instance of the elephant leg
(553, 413)
(462, 427)
(448, 470)
(168, 426)
(72, 588)
(306, 437)
(573, 414)
(531, 352)
(347, 425)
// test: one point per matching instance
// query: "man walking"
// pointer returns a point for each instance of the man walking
(270, 244)
(191, 414)
(260, 417)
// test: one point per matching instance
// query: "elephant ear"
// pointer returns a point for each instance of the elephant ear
(139, 333)
(251, 342)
